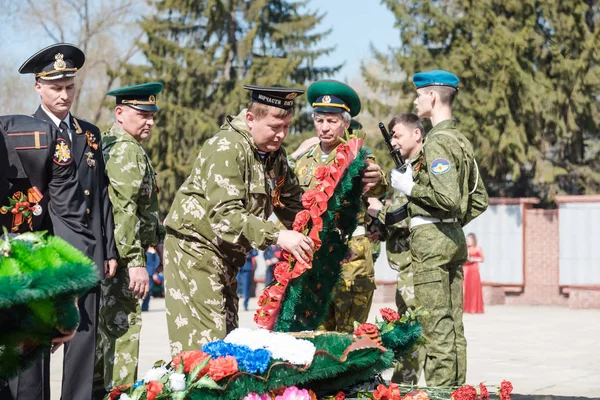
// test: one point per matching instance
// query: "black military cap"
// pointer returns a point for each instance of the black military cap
(61, 60)
(274, 96)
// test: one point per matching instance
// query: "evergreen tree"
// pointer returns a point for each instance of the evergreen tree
(530, 80)
(204, 51)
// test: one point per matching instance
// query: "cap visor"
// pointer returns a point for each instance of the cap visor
(335, 110)
(144, 107)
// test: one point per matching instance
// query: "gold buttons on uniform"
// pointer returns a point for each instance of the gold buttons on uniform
(88, 211)
(86, 192)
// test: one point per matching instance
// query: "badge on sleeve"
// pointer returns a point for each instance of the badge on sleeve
(440, 166)
(62, 152)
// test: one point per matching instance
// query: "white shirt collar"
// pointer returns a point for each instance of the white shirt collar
(57, 121)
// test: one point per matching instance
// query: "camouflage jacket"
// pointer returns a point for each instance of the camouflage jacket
(225, 202)
(133, 193)
(447, 177)
(307, 164)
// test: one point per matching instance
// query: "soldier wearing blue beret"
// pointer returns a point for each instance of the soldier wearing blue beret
(445, 194)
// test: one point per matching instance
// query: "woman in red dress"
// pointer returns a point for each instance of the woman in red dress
(473, 295)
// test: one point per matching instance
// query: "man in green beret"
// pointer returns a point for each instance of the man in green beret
(407, 135)
(445, 194)
(133, 193)
(220, 214)
(334, 104)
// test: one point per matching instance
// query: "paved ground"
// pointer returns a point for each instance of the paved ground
(541, 350)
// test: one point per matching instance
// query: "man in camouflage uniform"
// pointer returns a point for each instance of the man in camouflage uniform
(334, 103)
(407, 135)
(445, 194)
(220, 214)
(133, 193)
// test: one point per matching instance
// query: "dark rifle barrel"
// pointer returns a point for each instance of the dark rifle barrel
(401, 213)
(395, 153)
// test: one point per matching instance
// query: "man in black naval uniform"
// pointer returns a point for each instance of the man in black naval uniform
(55, 68)
(39, 191)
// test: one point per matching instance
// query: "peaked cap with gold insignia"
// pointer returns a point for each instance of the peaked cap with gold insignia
(61, 60)
(141, 97)
(331, 96)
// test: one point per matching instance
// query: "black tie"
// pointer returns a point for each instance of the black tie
(64, 129)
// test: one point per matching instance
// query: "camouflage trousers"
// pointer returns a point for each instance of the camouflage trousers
(119, 327)
(200, 294)
(353, 294)
(408, 368)
(438, 252)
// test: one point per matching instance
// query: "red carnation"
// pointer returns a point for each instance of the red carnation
(389, 315)
(391, 392)
(154, 388)
(483, 392)
(367, 330)
(301, 220)
(416, 395)
(340, 396)
(116, 392)
(505, 390)
(308, 198)
(466, 392)
(282, 272)
(220, 367)
(191, 359)
(322, 172)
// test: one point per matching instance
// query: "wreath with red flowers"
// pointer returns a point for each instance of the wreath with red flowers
(293, 302)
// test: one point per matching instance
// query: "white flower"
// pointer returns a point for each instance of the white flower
(155, 374)
(177, 381)
(124, 396)
(281, 345)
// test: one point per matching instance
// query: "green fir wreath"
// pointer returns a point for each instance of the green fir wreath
(40, 277)
(302, 306)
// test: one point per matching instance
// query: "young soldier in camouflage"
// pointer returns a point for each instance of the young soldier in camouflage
(133, 194)
(220, 213)
(334, 103)
(444, 195)
(407, 134)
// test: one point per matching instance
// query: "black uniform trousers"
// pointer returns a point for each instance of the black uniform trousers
(78, 362)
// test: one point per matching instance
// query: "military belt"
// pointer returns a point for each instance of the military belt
(419, 220)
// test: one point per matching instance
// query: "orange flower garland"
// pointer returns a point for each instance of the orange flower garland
(315, 204)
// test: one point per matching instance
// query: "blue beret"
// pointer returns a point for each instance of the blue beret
(435, 78)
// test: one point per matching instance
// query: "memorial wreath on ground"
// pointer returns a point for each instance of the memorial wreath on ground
(285, 358)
